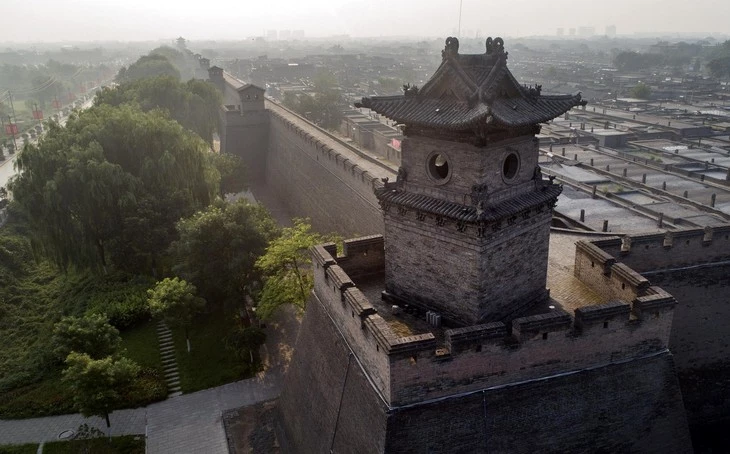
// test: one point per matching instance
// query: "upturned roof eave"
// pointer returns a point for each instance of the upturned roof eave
(498, 118)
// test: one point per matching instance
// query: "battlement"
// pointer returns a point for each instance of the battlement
(425, 362)
(672, 249)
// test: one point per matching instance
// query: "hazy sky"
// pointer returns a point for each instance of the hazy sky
(87, 20)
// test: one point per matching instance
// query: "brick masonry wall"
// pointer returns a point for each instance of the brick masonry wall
(688, 247)
(247, 135)
(317, 182)
(590, 411)
(328, 402)
(429, 375)
(471, 279)
(469, 165)
(325, 396)
(542, 347)
(699, 339)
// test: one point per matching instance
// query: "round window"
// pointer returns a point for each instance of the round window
(438, 167)
(511, 166)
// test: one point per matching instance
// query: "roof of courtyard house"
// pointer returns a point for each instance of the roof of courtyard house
(470, 89)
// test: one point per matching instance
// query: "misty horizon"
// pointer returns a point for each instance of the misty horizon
(138, 21)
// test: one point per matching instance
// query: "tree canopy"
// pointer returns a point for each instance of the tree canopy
(98, 385)
(91, 334)
(174, 300)
(286, 266)
(194, 104)
(109, 187)
(323, 106)
(218, 247)
(152, 65)
(641, 91)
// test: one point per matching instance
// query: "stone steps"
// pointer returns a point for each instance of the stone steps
(169, 363)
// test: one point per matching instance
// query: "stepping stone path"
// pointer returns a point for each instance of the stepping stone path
(169, 363)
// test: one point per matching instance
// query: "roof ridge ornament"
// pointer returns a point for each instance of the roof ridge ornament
(410, 90)
(495, 46)
(451, 49)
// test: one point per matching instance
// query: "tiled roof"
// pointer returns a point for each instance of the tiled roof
(468, 90)
(464, 213)
(456, 115)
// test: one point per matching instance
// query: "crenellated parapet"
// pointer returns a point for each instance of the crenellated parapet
(634, 321)
(672, 249)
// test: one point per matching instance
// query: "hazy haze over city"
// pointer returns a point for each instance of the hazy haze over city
(87, 20)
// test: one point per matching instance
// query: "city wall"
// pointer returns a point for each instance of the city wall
(421, 367)
(693, 266)
(319, 181)
(673, 249)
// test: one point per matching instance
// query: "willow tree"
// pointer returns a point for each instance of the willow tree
(109, 187)
(194, 104)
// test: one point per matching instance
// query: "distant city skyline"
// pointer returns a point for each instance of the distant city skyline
(139, 20)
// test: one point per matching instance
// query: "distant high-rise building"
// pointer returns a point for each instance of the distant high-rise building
(284, 34)
(571, 31)
(272, 35)
(297, 34)
(560, 32)
(611, 31)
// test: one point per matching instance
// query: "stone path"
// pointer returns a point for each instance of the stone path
(169, 363)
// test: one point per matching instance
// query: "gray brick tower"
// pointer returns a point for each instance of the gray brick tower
(439, 336)
(469, 209)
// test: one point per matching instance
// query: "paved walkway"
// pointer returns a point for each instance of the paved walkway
(191, 423)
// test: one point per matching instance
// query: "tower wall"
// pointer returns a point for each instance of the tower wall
(603, 381)
(416, 368)
(469, 165)
(471, 278)
(246, 134)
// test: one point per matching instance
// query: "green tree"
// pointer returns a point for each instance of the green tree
(232, 170)
(719, 67)
(218, 247)
(91, 334)
(641, 91)
(194, 104)
(174, 300)
(109, 187)
(99, 386)
(286, 267)
(148, 66)
(244, 341)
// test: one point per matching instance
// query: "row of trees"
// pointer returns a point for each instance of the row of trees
(675, 56)
(719, 64)
(130, 186)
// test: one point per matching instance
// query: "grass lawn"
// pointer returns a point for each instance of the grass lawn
(31, 448)
(51, 397)
(127, 444)
(140, 344)
(43, 398)
(209, 363)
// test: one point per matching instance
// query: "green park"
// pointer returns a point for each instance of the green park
(117, 225)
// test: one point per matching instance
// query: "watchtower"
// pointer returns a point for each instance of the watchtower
(468, 219)
(432, 337)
